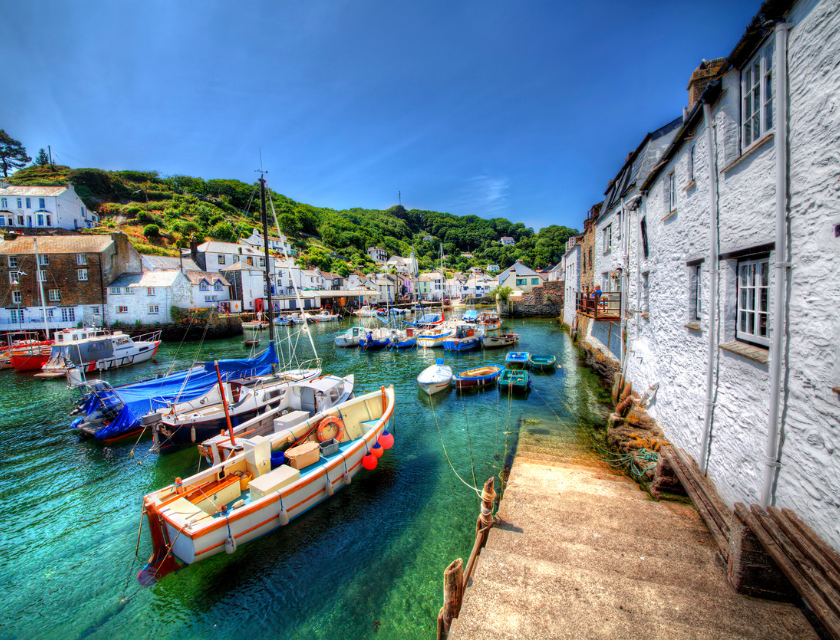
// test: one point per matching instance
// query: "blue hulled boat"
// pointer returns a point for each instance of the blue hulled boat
(517, 359)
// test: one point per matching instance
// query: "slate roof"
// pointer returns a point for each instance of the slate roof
(195, 277)
(518, 269)
(241, 265)
(56, 244)
(28, 190)
(146, 279)
(214, 246)
(168, 263)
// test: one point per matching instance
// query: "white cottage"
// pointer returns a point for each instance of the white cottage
(147, 297)
(31, 207)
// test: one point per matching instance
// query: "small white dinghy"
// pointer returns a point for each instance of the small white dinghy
(436, 378)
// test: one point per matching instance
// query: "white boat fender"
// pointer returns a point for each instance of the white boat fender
(192, 433)
(283, 515)
(238, 504)
(329, 487)
(347, 477)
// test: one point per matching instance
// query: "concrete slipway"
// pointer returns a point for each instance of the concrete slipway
(581, 552)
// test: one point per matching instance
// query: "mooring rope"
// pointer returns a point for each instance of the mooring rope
(445, 453)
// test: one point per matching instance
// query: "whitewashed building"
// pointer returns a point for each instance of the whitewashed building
(507, 241)
(377, 254)
(734, 256)
(30, 207)
(572, 267)
(148, 297)
(207, 289)
(281, 245)
(520, 278)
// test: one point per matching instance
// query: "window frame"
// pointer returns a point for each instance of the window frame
(644, 234)
(82, 275)
(42, 275)
(122, 309)
(606, 238)
(68, 314)
(150, 291)
(154, 309)
(697, 298)
(17, 297)
(14, 275)
(42, 203)
(81, 259)
(221, 258)
(29, 203)
(691, 150)
(114, 291)
(43, 260)
(54, 295)
(13, 262)
(672, 192)
(763, 62)
(742, 294)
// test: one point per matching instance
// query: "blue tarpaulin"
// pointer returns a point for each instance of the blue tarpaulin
(147, 396)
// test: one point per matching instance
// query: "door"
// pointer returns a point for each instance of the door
(29, 221)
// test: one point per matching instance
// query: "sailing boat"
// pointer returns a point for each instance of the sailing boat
(36, 353)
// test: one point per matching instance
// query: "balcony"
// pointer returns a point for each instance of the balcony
(607, 307)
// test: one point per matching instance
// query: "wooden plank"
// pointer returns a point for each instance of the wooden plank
(699, 499)
(718, 506)
(807, 549)
(801, 582)
(828, 553)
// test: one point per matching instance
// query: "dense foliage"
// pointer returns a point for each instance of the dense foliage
(12, 153)
(185, 207)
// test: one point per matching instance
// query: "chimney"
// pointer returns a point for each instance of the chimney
(703, 75)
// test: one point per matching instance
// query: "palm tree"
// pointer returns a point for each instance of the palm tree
(501, 295)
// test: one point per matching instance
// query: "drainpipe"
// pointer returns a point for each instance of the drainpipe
(711, 154)
(771, 461)
(642, 211)
(623, 323)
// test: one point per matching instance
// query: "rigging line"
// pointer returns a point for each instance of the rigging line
(445, 453)
(469, 441)
(183, 339)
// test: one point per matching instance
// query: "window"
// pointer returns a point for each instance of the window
(95, 310)
(217, 286)
(691, 163)
(68, 314)
(43, 260)
(81, 259)
(55, 295)
(643, 228)
(250, 260)
(607, 238)
(19, 218)
(672, 191)
(4, 203)
(16, 315)
(20, 203)
(150, 291)
(210, 298)
(590, 257)
(645, 294)
(29, 203)
(153, 309)
(698, 292)
(221, 259)
(202, 286)
(13, 262)
(42, 275)
(14, 277)
(114, 291)
(757, 97)
(753, 301)
(128, 291)
(521, 282)
(40, 219)
(262, 262)
(535, 280)
(42, 203)
(122, 309)
(82, 273)
(17, 297)
(49, 220)
(235, 259)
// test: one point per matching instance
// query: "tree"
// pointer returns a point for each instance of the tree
(151, 231)
(288, 225)
(12, 154)
(43, 159)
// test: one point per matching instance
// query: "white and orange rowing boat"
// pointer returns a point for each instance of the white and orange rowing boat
(243, 498)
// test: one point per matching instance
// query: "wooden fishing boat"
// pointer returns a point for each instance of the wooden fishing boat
(435, 378)
(375, 339)
(517, 359)
(514, 380)
(403, 339)
(478, 377)
(504, 340)
(467, 337)
(542, 362)
(242, 498)
(255, 325)
(433, 338)
(251, 342)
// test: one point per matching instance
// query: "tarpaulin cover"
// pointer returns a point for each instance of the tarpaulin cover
(147, 396)
(429, 318)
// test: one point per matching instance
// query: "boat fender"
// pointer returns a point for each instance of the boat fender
(76, 423)
(283, 517)
(237, 504)
(347, 478)
(329, 487)
(192, 433)
(230, 544)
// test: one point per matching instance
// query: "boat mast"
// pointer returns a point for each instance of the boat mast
(267, 267)
(41, 289)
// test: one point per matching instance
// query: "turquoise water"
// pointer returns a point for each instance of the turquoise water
(367, 563)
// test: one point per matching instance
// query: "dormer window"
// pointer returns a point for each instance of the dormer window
(757, 97)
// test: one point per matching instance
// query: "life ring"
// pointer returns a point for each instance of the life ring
(326, 422)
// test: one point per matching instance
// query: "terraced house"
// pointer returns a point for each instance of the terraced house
(32, 207)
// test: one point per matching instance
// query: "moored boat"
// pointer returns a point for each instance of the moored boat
(435, 378)
(514, 380)
(466, 338)
(255, 325)
(504, 340)
(541, 362)
(87, 350)
(243, 498)
(375, 339)
(433, 338)
(349, 338)
(478, 377)
(326, 316)
(517, 359)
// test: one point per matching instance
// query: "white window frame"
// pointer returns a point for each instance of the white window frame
(68, 314)
(20, 222)
(42, 275)
(150, 291)
(17, 297)
(757, 86)
(218, 286)
(13, 262)
(54, 295)
(114, 291)
(154, 309)
(49, 220)
(753, 278)
(698, 292)
(14, 275)
(40, 219)
(606, 238)
(95, 311)
(122, 309)
(16, 315)
(129, 291)
(202, 286)
(81, 259)
(221, 258)
(672, 192)
(42, 203)
(43, 260)
(29, 203)
(82, 274)
(20, 203)
(691, 151)
(4, 203)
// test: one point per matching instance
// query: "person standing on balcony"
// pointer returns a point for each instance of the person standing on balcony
(596, 295)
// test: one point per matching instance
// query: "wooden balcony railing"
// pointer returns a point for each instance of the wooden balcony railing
(607, 307)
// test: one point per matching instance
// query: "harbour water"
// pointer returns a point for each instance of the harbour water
(367, 563)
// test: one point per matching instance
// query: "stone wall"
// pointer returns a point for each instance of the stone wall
(216, 328)
(543, 301)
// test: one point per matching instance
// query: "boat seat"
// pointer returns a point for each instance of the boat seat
(183, 509)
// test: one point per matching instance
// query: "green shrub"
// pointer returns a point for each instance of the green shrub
(223, 231)
(144, 217)
(151, 231)
(215, 220)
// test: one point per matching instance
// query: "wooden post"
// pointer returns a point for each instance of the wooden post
(453, 594)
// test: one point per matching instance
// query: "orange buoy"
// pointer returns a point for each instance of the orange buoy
(326, 422)
(386, 440)
(377, 450)
(369, 461)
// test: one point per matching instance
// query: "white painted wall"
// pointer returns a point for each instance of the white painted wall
(64, 211)
(675, 356)
(572, 262)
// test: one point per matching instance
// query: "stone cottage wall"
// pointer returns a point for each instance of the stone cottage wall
(543, 301)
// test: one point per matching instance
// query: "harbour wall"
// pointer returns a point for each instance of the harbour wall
(546, 301)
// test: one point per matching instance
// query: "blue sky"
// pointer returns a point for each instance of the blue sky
(517, 109)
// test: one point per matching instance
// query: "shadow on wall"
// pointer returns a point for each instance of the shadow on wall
(609, 335)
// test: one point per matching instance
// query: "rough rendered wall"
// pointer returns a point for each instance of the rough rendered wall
(572, 285)
(675, 356)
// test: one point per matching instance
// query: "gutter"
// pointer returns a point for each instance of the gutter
(771, 451)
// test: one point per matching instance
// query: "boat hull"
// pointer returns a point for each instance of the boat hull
(431, 388)
(461, 344)
(29, 361)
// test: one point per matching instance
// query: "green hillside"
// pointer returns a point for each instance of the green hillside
(161, 213)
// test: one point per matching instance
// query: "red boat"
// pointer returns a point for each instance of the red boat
(29, 354)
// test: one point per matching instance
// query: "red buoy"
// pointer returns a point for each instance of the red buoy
(369, 461)
(377, 450)
(386, 440)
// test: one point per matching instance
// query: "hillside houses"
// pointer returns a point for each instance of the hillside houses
(47, 207)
